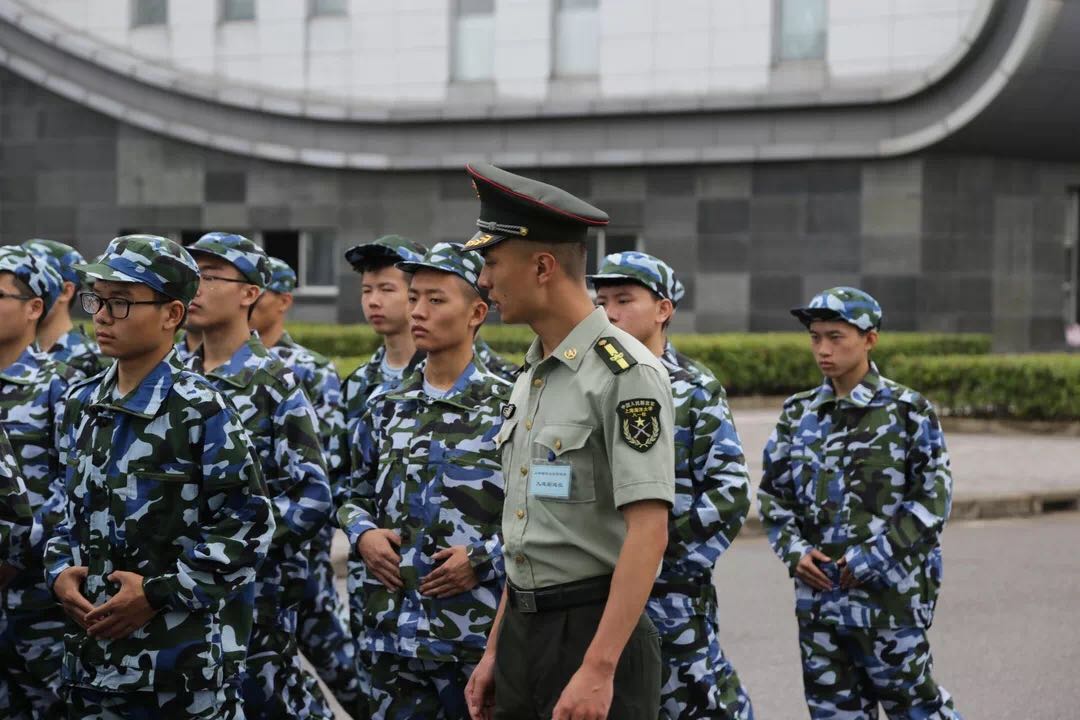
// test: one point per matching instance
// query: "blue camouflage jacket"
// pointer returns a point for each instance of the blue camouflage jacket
(16, 517)
(428, 469)
(78, 351)
(31, 407)
(162, 482)
(866, 478)
(712, 490)
(283, 428)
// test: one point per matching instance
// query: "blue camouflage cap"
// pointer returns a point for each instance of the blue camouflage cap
(386, 250)
(450, 258)
(282, 276)
(61, 256)
(247, 257)
(44, 282)
(159, 263)
(849, 304)
(644, 269)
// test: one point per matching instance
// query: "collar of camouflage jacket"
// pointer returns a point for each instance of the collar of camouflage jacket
(462, 394)
(861, 395)
(242, 366)
(23, 370)
(146, 399)
(72, 338)
(571, 351)
(285, 340)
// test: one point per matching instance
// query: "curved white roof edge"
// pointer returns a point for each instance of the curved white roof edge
(902, 126)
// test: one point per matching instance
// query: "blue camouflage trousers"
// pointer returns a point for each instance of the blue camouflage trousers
(214, 704)
(697, 681)
(848, 671)
(404, 688)
(31, 654)
(323, 629)
(274, 685)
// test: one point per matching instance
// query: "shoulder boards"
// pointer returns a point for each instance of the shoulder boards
(614, 355)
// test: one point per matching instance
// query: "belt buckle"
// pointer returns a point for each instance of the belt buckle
(526, 601)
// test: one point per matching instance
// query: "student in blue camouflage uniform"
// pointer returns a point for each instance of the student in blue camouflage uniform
(283, 428)
(187, 343)
(712, 496)
(424, 503)
(166, 515)
(323, 624)
(16, 520)
(32, 388)
(58, 336)
(855, 493)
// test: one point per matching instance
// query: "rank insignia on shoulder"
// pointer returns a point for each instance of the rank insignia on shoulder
(614, 355)
(508, 410)
(639, 422)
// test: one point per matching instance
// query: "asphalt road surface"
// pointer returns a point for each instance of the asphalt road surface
(1006, 640)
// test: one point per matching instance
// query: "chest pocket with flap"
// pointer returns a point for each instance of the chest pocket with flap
(568, 443)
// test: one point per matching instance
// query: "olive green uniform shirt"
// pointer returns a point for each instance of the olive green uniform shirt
(600, 404)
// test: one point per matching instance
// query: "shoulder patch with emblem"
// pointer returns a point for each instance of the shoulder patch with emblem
(614, 355)
(639, 422)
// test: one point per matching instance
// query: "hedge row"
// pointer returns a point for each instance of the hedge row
(1014, 387)
(1017, 387)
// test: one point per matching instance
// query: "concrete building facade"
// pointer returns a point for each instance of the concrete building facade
(921, 150)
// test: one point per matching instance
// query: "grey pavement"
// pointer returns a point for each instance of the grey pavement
(1006, 640)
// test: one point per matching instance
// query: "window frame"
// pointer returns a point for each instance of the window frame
(778, 33)
(134, 16)
(455, 41)
(223, 4)
(555, 74)
(312, 12)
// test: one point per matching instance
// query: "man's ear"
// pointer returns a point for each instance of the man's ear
(546, 266)
(286, 303)
(174, 315)
(664, 310)
(871, 338)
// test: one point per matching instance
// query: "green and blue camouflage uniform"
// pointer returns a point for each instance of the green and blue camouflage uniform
(864, 477)
(162, 482)
(712, 498)
(74, 348)
(16, 515)
(31, 405)
(426, 465)
(427, 468)
(323, 632)
(284, 430)
(494, 363)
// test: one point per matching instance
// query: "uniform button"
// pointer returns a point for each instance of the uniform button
(524, 470)
(528, 424)
(520, 514)
(538, 382)
(558, 444)
(519, 559)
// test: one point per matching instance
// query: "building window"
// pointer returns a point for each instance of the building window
(604, 243)
(577, 38)
(800, 29)
(323, 8)
(312, 253)
(149, 12)
(232, 10)
(474, 40)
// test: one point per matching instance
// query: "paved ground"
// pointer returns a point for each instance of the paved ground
(1006, 640)
(983, 465)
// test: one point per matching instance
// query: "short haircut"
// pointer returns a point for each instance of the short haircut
(571, 257)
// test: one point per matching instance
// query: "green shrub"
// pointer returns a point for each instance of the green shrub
(1016, 387)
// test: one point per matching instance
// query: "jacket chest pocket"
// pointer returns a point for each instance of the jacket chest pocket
(160, 505)
(562, 446)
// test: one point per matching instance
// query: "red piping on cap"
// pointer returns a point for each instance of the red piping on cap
(534, 201)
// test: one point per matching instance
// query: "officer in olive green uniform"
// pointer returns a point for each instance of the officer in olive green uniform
(588, 462)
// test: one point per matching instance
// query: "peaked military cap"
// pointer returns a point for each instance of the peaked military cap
(42, 279)
(247, 257)
(60, 255)
(157, 262)
(513, 206)
(386, 250)
(450, 258)
(644, 269)
(849, 304)
(282, 276)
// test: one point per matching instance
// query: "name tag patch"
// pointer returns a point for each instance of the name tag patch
(550, 481)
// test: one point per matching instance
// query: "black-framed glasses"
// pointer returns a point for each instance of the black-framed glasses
(118, 307)
(13, 296)
(218, 278)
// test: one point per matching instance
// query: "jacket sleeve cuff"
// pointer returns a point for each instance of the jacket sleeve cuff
(159, 590)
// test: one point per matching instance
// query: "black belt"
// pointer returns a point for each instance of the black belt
(560, 597)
